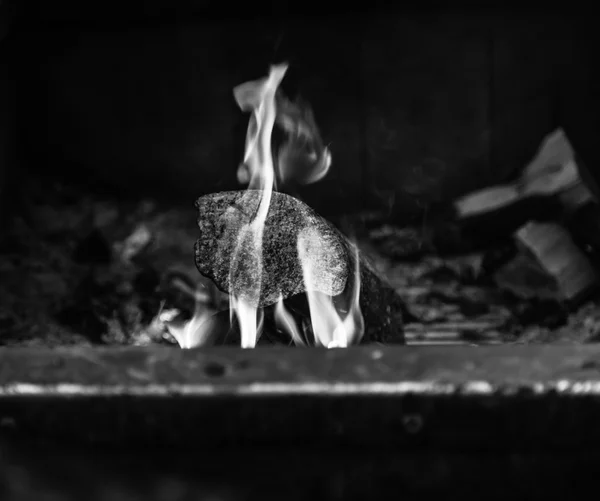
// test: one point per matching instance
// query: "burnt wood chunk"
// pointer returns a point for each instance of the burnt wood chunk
(226, 244)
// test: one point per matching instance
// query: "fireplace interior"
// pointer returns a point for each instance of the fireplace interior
(123, 121)
(450, 155)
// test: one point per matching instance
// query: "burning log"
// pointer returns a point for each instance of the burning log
(222, 217)
(264, 247)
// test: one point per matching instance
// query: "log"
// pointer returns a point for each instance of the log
(555, 250)
(549, 186)
(222, 218)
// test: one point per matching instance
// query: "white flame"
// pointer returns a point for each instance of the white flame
(250, 320)
(332, 327)
(259, 98)
(198, 330)
(286, 323)
(303, 158)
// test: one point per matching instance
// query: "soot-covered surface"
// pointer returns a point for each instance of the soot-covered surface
(77, 267)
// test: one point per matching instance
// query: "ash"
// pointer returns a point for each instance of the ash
(78, 268)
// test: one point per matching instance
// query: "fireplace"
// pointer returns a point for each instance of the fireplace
(395, 219)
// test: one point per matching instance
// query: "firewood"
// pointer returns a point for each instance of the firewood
(222, 217)
(551, 182)
(550, 265)
(557, 253)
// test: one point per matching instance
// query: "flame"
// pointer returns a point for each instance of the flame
(303, 158)
(286, 323)
(332, 327)
(259, 98)
(250, 320)
(198, 330)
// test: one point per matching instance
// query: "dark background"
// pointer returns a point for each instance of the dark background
(418, 105)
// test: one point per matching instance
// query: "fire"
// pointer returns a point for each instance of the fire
(258, 97)
(198, 330)
(329, 328)
(286, 323)
(302, 159)
(250, 320)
